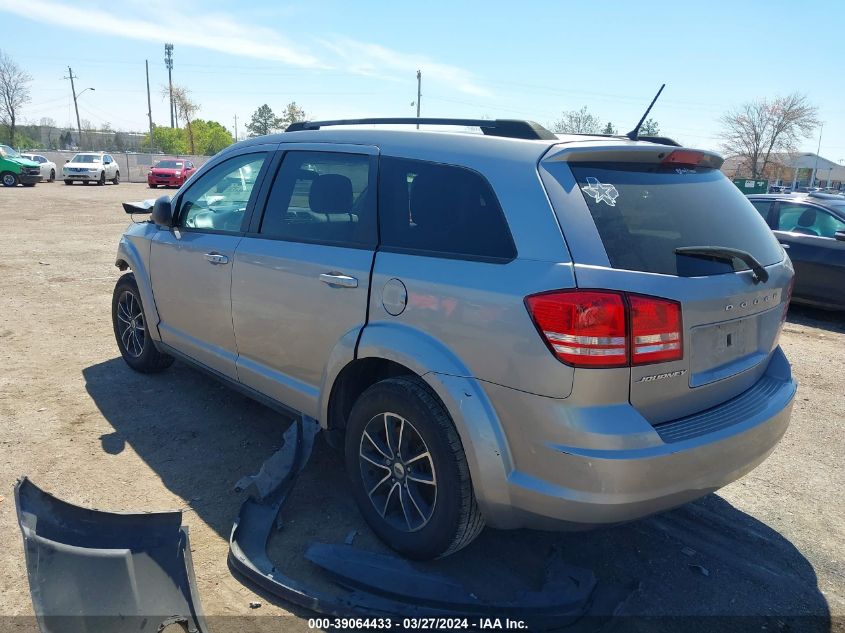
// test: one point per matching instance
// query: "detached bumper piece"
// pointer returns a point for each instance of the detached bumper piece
(106, 572)
(376, 585)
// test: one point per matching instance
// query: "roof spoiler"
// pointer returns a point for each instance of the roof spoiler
(508, 128)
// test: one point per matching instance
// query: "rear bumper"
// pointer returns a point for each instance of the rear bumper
(598, 477)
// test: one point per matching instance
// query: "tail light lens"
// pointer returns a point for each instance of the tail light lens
(593, 328)
(585, 329)
(655, 330)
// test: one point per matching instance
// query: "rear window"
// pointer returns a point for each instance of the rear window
(440, 210)
(643, 212)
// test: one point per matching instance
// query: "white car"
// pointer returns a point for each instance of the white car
(48, 167)
(91, 167)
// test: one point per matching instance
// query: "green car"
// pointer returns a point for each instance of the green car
(15, 169)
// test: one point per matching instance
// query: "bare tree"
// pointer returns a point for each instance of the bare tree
(757, 129)
(185, 110)
(14, 92)
(577, 122)
(291, 114)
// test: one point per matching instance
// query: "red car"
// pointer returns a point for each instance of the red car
(170, 173)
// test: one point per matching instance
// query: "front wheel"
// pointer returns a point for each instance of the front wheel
(116, 179)
(68, 182)
(102, 179)
(130, 329)
(152, 186)
(9, 179)
(408, 470)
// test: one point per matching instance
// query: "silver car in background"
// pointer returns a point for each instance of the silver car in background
(512, 328)
(48, 167)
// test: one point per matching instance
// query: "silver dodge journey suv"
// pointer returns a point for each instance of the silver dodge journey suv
(512, 328)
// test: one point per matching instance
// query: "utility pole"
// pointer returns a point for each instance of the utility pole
(75, 106)
(236, 128)
(168, 61)
(149, 104)
(419, 94)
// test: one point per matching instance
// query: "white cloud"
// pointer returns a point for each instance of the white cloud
(225, 34)
(214, 32)
(365, 58)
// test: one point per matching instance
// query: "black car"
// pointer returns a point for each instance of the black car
(811, 227)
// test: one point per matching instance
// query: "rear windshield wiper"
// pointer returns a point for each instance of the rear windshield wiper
(729, 254)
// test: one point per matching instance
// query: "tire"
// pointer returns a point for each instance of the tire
(9, 179)
(434, 513)
(52, 176)
(116, 179)
(130, 332)
(152, 186)
(68, 182)
(102, 179)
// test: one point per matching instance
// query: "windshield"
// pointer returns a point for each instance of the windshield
(643, 212)
(86, 158)
(8, 152)
(170, 164)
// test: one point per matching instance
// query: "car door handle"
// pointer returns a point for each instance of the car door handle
(784, 245)
(216, 258)
(337, 279)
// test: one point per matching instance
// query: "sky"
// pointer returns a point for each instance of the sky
(487, 59)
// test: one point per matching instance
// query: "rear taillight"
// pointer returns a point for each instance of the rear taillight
(595, 328)
(583, 328)
(655, 330)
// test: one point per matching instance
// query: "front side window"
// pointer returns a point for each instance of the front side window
(440, 210)
(219, 199)
(322, 197)
(808, 220)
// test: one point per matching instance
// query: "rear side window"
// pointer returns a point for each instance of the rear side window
(440, 210)
(323, 198)
(643, 212)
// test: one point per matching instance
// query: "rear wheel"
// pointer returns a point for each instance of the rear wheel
(130, 329)
(409, 473)
(9, 179)
(116, 179)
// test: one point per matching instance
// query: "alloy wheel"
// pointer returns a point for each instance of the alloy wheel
(130, 324)
(398, 472)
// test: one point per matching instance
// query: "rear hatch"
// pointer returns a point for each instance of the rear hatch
(650, 221)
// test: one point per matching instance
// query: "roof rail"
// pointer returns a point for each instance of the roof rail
(510, 128)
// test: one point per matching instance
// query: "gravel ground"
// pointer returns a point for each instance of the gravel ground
(83, 426)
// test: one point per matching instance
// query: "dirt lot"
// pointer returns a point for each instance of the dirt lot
(82, 425)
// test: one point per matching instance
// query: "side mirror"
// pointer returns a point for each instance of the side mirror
(67, 160)
(840, 236)
(163, 212)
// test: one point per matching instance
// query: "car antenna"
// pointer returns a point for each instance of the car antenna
(635, 133)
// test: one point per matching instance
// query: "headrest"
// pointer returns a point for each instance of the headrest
(331, 193)
(808, 218)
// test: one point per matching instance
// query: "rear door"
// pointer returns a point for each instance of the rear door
(623, 212)
(301, 275)
(808, 231)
